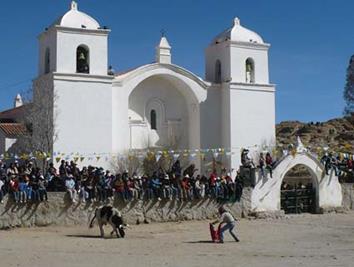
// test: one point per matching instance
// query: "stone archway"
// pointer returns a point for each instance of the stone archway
(299, 190)
(266, 193)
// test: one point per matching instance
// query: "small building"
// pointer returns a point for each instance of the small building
(11, 126)
(9, 133)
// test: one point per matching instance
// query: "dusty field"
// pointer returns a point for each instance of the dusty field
(306, 240)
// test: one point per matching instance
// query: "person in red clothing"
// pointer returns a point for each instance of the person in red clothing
(14, 188)
(350, 165)
(185, 187)
(212, 184)
(269, 164)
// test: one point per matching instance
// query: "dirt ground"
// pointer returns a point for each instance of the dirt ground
(303, 240)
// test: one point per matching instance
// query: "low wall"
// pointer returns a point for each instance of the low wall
(348, 196)
(59, 211)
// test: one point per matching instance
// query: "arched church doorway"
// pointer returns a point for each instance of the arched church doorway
(298, 191)
(159, 115)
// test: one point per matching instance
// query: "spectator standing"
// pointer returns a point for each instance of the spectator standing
(269, 164)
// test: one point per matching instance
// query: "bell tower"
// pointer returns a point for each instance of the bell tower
(75, 43)
(73, 86)
(237, 66)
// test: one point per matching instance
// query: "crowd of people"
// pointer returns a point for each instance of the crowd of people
(265, 163)
(341, 167)
(25, 182)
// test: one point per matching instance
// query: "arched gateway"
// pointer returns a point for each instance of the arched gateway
(266, 195)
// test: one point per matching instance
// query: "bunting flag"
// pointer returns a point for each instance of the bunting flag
(175, 154)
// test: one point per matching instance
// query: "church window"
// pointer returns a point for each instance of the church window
(250, 71)
(218, 71)
(47, 61)
(82, 59)
(153, 120)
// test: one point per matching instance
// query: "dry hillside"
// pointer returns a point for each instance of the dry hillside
(337, 134)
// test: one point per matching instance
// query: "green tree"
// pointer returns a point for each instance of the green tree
(349, 89)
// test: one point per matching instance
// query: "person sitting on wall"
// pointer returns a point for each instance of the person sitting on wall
(246, 161)
(261, 163)
(176, 168)
(239, 183)
(190, 170)
(335, 162)
(70, 187)
(228, 222)
(327, 162)
(156, 186)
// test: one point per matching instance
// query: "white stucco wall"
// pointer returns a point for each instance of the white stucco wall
(216, 52)
(211, 118)
(47, 39)
(238, 56)
(6, 142)
(251, 119)
(83, 112)
(68, 42)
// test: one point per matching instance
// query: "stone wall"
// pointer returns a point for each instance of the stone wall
(59, 211)
(348, 196)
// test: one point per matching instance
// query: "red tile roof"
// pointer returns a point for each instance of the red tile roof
(14, 113)
(13, 129)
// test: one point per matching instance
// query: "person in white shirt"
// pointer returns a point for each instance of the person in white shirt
(70, 187)
(229, 223)
(1, 191)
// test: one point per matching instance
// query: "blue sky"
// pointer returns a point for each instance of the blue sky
(312, 42)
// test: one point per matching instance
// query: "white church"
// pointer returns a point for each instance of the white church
(162, 106)
(158, 105)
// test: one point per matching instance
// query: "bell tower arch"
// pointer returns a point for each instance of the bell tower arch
(75, 43)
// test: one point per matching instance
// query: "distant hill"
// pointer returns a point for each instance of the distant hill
(337, 134)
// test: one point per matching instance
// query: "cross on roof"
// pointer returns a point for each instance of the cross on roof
(163, 32)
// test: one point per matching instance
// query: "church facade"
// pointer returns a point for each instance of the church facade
(158, 105)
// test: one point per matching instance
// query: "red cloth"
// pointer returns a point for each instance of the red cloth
(269, 160)
(14, 185)
(215, 233)
(212, 179)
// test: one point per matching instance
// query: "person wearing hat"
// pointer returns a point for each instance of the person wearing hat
(156, 186)
(42, 187)
(246, 161)
(138, 185)
(70, 187)
(228, 222)
(185, 185)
